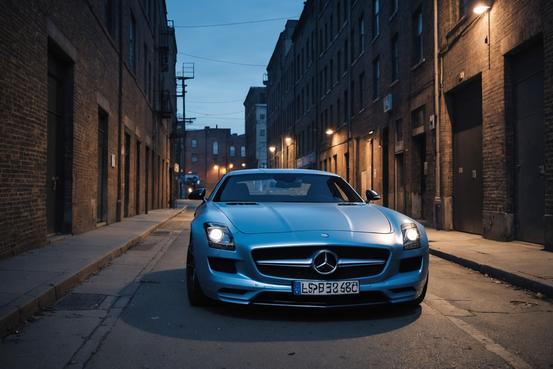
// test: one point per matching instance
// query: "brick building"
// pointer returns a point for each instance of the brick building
(211, 152)
(87, 105)
(348, 93)
(360, 88)
(255, 107)
(496, 121)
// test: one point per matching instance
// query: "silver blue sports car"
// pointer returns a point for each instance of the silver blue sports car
(294, 237)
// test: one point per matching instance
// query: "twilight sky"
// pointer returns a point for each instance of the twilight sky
(217, 93)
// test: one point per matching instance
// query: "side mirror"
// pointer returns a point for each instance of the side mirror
(372, 195)
(197, 194)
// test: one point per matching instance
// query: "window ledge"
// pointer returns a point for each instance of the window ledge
(418, 64)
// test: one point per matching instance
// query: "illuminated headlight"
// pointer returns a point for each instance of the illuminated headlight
(219, 236)
(411, 236)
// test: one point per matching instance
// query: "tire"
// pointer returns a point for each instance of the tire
(196, 297)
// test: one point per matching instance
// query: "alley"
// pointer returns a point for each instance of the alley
(135, 314)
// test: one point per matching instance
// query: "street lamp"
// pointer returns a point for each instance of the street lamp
(329, 132)
(230, 166)
(272, 149)
(288, 141)
(216, 167)
(243, 165)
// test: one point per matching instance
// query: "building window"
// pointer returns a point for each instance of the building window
(109, 7)
(338, 16)
(395, 58)
(243, 151)
(361, 34)
(376, 78)
(215, 148)
(338, 65)
(132, 44)
(417, 117)
(361, 90)
(394, 5)
(463, 7)
(262, 116)
(345, 105)
(232, 151)
(345, 55)
(376, 18)
(399, 130)
(331, 72)
(262, 132)
(194, 143)
(417, 34)
(194, 158)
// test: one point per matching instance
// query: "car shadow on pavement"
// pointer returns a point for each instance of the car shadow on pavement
(160, 306)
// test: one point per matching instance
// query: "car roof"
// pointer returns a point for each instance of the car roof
(279, 171)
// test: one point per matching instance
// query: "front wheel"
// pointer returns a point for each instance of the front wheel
(193, 288)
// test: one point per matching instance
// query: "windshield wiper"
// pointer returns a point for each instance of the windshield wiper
(350, 203)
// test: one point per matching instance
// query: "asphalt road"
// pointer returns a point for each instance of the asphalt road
(135, 314)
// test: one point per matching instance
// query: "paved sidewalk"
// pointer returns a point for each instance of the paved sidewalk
(37, 278)
(519, 263)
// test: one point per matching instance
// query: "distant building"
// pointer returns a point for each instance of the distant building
(88, 102)
(256, 127)
(212, 152)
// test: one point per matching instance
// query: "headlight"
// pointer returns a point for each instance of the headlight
(411, 236)
(219, 236)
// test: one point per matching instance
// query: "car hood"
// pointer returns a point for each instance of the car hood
(287, 217)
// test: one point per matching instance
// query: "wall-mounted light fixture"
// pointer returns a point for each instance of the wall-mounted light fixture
(481, 7)
(288, 141)
(243, 165)
(329, 132)
(230, 166)
(216, 167)
(272, 149)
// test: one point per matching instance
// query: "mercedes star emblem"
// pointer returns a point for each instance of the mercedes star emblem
(325, 262)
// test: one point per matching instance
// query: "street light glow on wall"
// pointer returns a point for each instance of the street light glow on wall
(288, 141)
(216, 167)
(230, 166)
(272, 149)
(329, 132)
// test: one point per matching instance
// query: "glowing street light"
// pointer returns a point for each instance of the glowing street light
(243, 165)
(272, 149)
(216, 167)
(230, 166)
(288, 141)
(329, 132)
(480, 8)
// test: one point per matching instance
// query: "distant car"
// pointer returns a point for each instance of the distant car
(302, 238)
(191, 183)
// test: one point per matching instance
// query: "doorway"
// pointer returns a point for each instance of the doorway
(137, 180)
(385, 167)
(102, 184)
(528, 97)
(465, 108)
(127, 172)
(57, 115)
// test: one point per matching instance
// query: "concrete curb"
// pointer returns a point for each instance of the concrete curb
(12, 317)
(512, 278)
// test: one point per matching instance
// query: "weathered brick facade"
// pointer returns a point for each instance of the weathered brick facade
(370, 79)
(85, 45)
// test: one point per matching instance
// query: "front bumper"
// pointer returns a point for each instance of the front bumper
(243, 283)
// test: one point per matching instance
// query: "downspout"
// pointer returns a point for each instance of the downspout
(118, 211)
(437, 63)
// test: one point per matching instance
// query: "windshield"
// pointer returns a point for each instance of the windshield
(285, 187)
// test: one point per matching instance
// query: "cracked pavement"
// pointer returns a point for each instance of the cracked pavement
(134, 314)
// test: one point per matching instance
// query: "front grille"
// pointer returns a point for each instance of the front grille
(306, 252)
(285, 298)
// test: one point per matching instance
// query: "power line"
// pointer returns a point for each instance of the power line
(223, 61)
(232, 23)
(216, 114)
(215, 102)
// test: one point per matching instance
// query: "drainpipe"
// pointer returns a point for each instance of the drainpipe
(118, 212)
(437, 60)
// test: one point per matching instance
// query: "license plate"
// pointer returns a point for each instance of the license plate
(325, 287)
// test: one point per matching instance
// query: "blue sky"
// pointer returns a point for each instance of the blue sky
(217, 93)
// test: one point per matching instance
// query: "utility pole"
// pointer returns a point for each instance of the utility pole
(179, 129)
